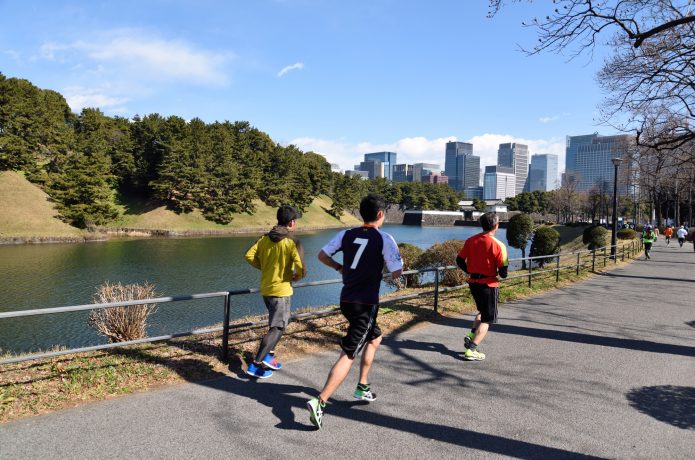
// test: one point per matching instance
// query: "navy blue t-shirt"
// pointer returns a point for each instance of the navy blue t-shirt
(365, 251)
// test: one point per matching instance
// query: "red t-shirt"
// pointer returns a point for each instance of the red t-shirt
(484, 254)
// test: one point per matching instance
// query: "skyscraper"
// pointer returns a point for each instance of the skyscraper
(387, 158)
(591, 159)
(543, 173)
(499, 183)
(515, 156)
(423, 169)
(403, 173)
(461, 166)
(375, 168)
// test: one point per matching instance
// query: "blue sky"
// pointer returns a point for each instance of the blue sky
(341, 78)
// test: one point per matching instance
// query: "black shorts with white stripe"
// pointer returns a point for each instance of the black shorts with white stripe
(362, 327)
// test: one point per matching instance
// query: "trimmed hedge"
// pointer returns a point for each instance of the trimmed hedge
(626, 234)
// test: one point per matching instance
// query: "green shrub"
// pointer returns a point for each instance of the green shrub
(441, 254)
(410, 255)
(546, 241)
(626, 234)
(595, 237)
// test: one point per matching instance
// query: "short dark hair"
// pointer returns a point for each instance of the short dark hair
(370, 207)
(489, 220)
(287, 214)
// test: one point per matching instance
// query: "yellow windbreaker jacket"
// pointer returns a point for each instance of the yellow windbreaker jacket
(278, 258)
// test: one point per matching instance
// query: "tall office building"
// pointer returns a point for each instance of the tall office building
(543, 173)
(375, 168)
(424, 169)
(571, 147)
(403, 173)
(473, 192)
(515, 156)
(590, 164)
(388, 159)
(461, 166)
(499, 183)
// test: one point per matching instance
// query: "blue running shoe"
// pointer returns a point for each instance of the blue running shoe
(271, 362)
(258, 372)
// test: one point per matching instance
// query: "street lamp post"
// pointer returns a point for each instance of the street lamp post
(614, 236)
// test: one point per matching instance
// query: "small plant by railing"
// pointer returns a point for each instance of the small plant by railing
(573, 260)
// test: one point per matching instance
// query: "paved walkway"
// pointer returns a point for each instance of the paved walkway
(604, 368)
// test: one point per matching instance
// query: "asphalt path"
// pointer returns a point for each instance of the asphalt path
(604, 368)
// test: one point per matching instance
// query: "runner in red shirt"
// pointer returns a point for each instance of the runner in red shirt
(483, 256)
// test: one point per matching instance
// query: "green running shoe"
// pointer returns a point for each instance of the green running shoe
(364, 393)
(468, 339)
(473, 355)
(315, 411)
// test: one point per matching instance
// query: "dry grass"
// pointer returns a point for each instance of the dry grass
(161, 218)
(121, 324)
(25, 210)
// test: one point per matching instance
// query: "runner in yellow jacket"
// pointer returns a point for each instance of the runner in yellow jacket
(280, 258)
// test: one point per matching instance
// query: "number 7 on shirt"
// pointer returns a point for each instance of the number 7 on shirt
(363, 244)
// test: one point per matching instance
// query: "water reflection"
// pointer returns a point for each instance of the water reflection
(53, 275)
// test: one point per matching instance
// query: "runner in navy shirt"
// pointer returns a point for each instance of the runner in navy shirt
(365, 251)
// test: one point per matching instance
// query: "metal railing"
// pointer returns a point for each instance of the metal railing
(633, 248)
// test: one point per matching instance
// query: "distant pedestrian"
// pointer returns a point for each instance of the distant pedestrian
(681, 234)
(648, 237)
(668, 233)
(366, 250)
(280, 258)
(483, 257)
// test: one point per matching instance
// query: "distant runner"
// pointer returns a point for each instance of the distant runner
(668, 233)
(681, 234)
(648, 237)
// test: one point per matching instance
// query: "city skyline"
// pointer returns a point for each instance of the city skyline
(336, 78)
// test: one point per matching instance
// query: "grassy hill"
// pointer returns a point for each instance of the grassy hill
(138, 216)
(27, 213)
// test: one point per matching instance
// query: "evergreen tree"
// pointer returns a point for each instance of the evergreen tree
(519, 230)
(83, 189)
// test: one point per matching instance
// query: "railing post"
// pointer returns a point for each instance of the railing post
(623, 259)
(578, 264)
(529, 273)
(225, 328)
(604, 256)
(593, 260)
(436, 290)
(557, 269)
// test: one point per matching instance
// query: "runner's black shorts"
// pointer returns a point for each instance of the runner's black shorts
(486, 298)
(362, 327)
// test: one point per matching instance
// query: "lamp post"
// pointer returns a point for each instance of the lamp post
(614, 236)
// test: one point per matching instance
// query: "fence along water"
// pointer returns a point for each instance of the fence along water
(603, 253)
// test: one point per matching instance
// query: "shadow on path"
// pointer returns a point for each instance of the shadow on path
(670, 404)
(590, 339)
(283, 398)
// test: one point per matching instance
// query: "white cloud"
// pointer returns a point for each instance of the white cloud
(552, 118)
(420, 149)
(135, 54)
(78, 98)
(546, 120)
(289, 68)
